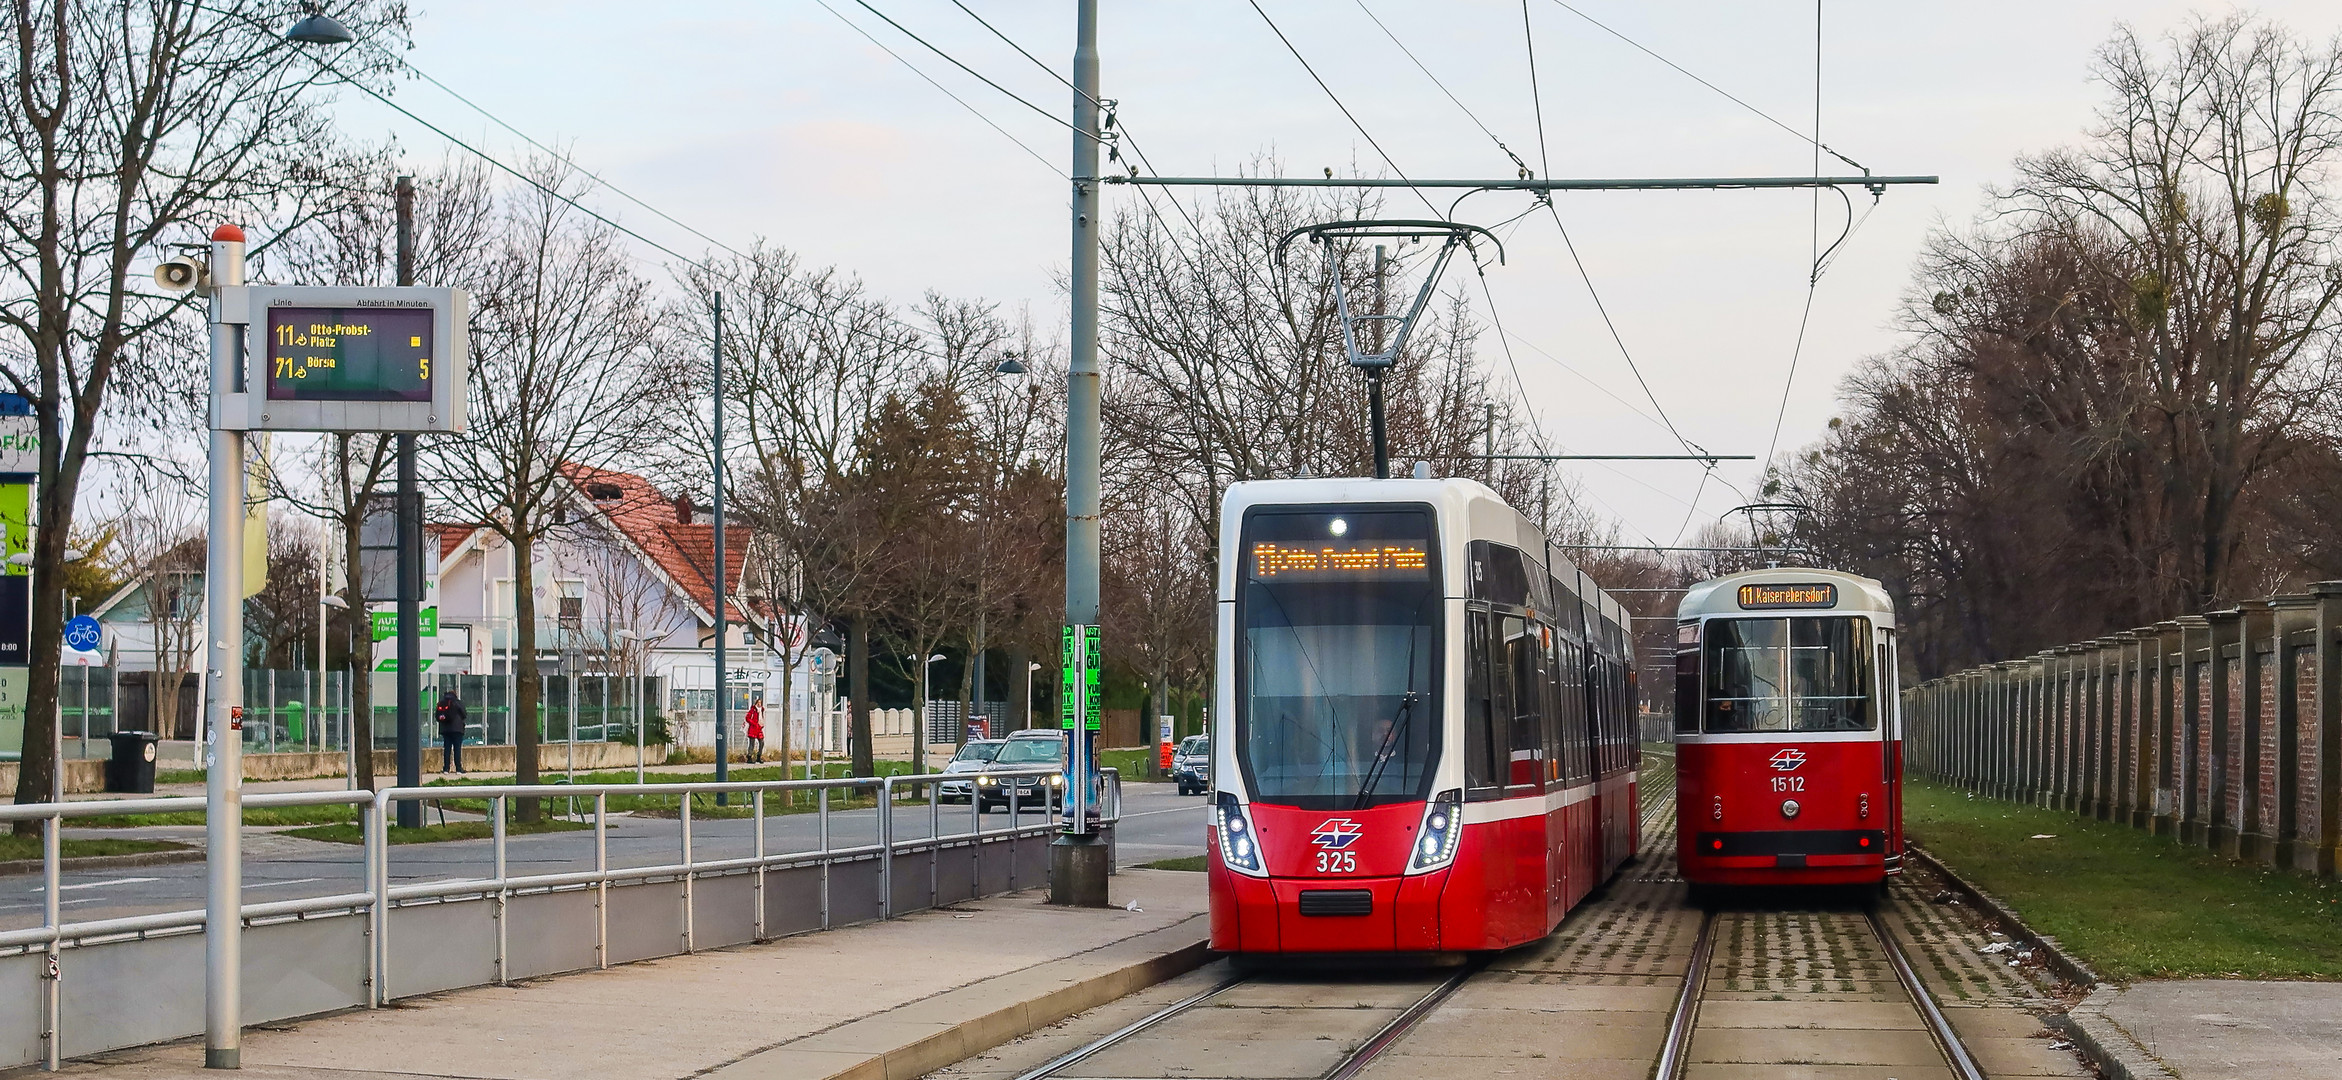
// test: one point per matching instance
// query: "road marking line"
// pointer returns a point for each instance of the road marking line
(97, 884)
(1173, 810)
(274, 884)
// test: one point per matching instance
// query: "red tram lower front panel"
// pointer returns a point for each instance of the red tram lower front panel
(1336, 882)
(1787, 813)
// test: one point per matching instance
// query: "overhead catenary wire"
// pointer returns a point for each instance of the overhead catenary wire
(972, 110)
(605, 219)
(1769, 118)
(1814, 273)
(1338, 104)
(1435, 81)
(955, 62)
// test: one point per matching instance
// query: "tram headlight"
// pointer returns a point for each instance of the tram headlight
(1442, 831)
(1239, 841)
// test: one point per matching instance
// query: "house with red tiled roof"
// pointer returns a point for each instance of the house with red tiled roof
(626, 589)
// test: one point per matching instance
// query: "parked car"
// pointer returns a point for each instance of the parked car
(973, 757)
(1025, 750)
(1191, 765)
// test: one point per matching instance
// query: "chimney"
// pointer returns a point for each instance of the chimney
(682, 509)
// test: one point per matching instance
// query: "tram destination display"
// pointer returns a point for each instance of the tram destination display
(1819, 594)
(344, 359)
(1365, 560)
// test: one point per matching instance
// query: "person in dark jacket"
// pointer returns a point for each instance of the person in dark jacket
(452, 718)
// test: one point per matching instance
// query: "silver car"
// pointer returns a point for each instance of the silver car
(973, 757)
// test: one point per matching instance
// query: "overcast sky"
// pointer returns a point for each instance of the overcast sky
(778, 120)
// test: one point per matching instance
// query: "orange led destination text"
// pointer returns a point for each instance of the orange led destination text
(1269, 560)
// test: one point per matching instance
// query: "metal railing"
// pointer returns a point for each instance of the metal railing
(380, 896)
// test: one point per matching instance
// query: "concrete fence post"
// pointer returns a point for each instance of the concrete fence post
(2295, 618)
(2138, 781)
(2220, 824)
(2101, 713)
(2070, 695)
(2194, 648)
(2256, 634)
(2328, 642)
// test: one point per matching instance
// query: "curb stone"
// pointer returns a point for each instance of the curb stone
(2105, 1043)
(2053, 956)
(103, 862)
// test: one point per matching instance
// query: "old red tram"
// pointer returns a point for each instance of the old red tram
(1789, 765)
(1423, 737)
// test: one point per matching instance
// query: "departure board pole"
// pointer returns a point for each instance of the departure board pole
(410, 565)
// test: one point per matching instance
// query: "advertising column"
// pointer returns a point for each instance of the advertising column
(19, 466)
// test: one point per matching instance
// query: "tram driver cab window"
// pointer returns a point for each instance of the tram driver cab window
(1799, 674)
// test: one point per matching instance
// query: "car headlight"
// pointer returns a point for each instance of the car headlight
(986, 781)
(1442, 831)
(1239, 841)
(1057, 781)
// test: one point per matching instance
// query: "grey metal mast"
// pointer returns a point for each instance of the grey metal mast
(1077, 860)
(723, 676)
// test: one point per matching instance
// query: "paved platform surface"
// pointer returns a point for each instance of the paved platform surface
(2219, 1029)
(831, 1004)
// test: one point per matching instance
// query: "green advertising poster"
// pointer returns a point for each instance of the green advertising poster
(15, 680)
(16, 515)
(385, 621)
(1079, 687)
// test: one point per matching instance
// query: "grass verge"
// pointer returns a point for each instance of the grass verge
(253, 815)
(431, 834)
(2131, 904)
(14, 847)
(1184, 862)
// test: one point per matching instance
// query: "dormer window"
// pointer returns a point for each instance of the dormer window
(602, 493)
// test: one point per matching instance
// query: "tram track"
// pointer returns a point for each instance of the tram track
(1165, 1022)
(1683, 1023)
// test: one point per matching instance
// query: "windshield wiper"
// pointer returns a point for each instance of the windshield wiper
(1390, 743)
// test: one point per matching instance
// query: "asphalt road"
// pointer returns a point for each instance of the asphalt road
(1156, 824)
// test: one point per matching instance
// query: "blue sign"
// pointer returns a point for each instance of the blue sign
(82, 634)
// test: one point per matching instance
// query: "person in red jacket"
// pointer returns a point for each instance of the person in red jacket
(755, 725)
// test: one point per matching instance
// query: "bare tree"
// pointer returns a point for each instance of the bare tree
(132, 126)
(562, 336)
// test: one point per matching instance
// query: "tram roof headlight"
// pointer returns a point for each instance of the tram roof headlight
(1338, 527)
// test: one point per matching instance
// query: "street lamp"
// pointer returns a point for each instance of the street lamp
(921, 737)
(320, 30)
(1030, 668)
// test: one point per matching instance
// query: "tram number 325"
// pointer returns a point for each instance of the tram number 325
(1789, 783)
(1337, 862)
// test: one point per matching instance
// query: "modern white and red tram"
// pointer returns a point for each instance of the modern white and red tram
(1789, 763)
(1423, 737)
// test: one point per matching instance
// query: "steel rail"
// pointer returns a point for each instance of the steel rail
(1080, 1053)
(1401, 1024)
(1939, 1027)
(1673, 1054)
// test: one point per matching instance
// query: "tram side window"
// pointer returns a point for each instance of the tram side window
(1485, 741)
(1687, 678)
(1806, 674)
(1525, 677)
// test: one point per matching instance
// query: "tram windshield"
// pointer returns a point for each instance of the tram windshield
(1797, 674)
(1337, 610)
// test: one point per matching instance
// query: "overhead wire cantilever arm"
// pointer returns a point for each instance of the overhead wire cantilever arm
(1457, 233)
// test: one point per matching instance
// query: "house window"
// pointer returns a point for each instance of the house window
(572, 603)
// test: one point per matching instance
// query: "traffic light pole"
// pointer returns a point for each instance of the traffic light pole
(1078, 859)
(223, 684)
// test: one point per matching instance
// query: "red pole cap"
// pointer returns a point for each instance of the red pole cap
(228, 234)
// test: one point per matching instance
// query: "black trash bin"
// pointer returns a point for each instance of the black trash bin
(132, 768)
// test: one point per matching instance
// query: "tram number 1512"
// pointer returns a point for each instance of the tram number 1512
(1789, 783)
(1337, 862)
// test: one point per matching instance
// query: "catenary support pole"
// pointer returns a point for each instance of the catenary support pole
(1078, 861)
(723, 676)
(410, 561)
(223, 685)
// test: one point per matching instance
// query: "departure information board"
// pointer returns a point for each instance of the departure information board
(350, 353)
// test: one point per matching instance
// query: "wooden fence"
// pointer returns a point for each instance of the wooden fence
(2223, 729)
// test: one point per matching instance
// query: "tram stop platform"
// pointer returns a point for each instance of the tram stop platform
(2216, 1029)
(876, 1001)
